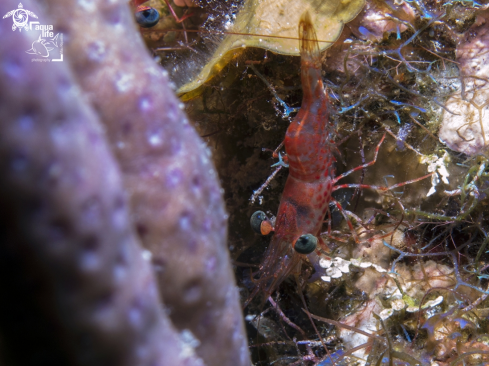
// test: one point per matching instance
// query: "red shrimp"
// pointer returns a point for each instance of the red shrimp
(309, 144)
(307, 192)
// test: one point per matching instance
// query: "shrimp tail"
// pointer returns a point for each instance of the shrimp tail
(308, 42)
(312, 85)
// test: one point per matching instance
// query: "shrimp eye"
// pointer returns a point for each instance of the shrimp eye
(147, 17)
(260, 223)
(306, 244)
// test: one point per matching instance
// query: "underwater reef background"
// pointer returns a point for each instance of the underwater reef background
(114, 244)
(408, 285)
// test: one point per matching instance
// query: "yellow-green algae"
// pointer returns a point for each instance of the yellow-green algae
(272, 25)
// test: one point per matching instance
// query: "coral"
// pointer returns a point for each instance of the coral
(70, 257)
(76, 289)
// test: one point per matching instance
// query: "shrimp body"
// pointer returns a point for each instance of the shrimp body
(309, 186)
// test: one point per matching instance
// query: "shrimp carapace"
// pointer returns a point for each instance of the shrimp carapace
(308, 189)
